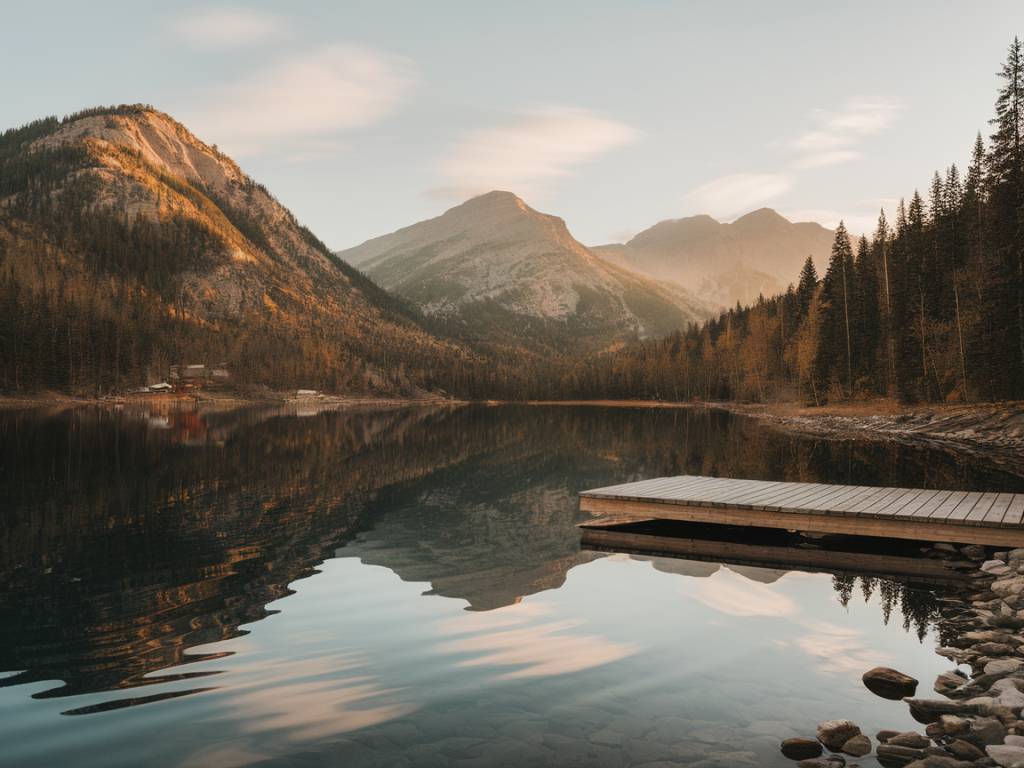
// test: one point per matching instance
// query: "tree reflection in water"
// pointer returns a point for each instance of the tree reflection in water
(130, 536)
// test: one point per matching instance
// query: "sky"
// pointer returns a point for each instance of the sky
(363, 117)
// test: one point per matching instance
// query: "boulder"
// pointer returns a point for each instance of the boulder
(889, 684)
(1006, 755)
(994, 649)
(884, 735)
(964, 750)
(858, 746)
(1008, 585)
(985, 731)
(909, 739)
(801, 749)
(1004, 666)
(892, 756)
(834, 733)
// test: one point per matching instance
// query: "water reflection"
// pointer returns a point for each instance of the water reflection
(134, 545)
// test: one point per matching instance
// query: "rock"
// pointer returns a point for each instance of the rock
(1008, 693)
(891, 756)
(1006, 755)
(953, 725)
(991, 565)
(994, 649)
(834, 733)
(929, 710)
(1004, 666)
(973, 551)
(986, 636)
(1015, 554)
(1014, 740)
(831, 761)
(884, 735)
(858, 746)
(964, 750)
(949, 681)
(939, 761)
(889, 684)
(801, 749)
(909, 739)
(1008, 585)
(985, 731)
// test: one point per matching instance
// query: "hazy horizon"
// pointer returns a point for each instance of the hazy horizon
(368, 118)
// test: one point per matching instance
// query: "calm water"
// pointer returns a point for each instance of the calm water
(406, 588)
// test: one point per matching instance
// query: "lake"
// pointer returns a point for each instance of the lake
(264, 586)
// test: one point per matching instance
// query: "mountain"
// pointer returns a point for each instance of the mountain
(496, 269)
(127, 245)
(760, 253)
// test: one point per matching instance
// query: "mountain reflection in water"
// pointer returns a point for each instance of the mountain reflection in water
(130, 537)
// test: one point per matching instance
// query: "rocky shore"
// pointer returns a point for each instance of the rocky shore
(979, 719)
(992, 430)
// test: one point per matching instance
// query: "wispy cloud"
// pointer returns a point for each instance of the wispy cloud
(838, 133)
(530, 153)
(738, 193)
(305, 96)
(229, 27)
(834, 137)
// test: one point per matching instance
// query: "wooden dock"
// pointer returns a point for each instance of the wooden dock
(963, 517)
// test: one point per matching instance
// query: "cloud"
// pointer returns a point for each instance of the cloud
(522, 641)
(309, 95)
(530, 153)
(838, 650)
(737, 193)
(230, 27)
(833, 157)
(731, 593)
(837, 133)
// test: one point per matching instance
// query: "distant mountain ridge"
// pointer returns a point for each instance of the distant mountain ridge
(759, 253)
(504, 271)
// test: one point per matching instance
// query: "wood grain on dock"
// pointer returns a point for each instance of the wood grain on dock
(967, 517)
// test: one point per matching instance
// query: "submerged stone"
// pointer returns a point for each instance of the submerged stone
(858, 746)
(801, 749)
(834, 733)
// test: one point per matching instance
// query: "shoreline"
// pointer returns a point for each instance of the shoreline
(977, 721)
(993, 431)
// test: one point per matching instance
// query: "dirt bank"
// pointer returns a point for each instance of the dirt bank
(993, 430)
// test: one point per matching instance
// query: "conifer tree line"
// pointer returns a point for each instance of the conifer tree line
(928, 307)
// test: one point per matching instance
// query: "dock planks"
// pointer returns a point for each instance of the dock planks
(967, 517)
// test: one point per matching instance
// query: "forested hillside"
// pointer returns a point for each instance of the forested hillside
(127, 245)
(930, 308)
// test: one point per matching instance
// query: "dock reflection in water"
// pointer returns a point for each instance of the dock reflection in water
(149, 556)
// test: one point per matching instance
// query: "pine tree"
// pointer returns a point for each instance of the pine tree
(1006, 178)
(881, 248)
(835, 354)
(806, 288)
(867, 325)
